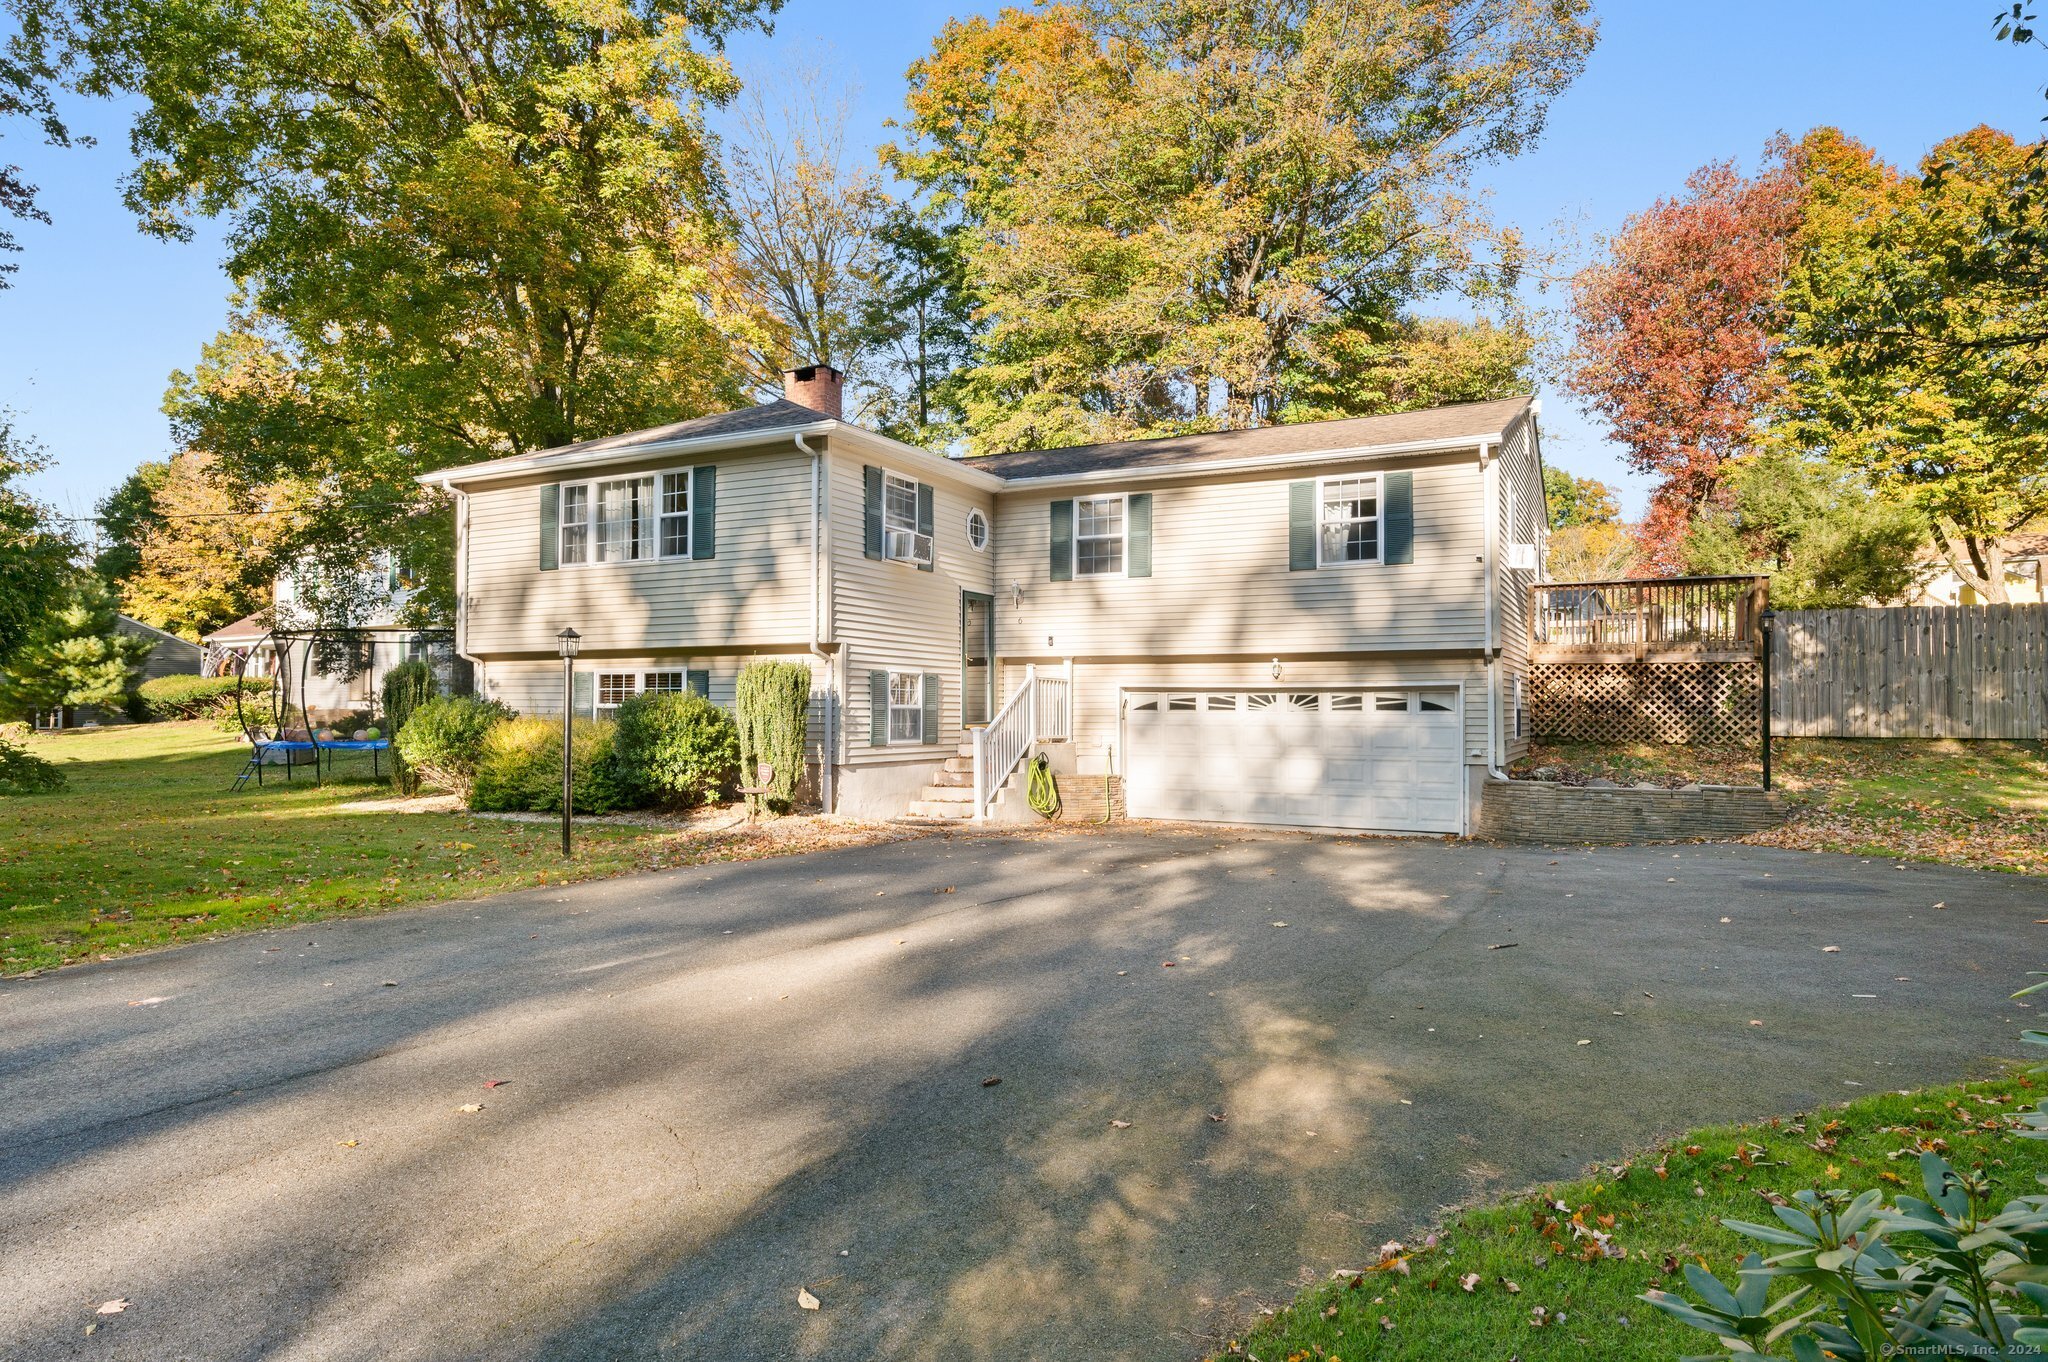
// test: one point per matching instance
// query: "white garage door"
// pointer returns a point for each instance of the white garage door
(1382, 759)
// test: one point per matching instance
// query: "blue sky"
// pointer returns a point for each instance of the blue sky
(98, 315)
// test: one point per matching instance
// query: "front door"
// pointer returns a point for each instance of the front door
(977, 657)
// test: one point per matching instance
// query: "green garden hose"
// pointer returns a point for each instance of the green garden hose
(1043, 793)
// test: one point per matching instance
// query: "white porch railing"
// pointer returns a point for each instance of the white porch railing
(1041, 708)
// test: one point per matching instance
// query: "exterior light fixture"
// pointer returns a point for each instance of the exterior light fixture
(568, 639)
(1276, 669)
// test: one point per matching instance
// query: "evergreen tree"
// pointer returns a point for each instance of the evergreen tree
(73, 656)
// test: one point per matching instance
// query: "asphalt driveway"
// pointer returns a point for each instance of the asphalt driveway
(728, 1082)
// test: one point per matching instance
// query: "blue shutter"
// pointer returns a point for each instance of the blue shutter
(704, 512)
(699, 682)
(550, 526)
(878, 709)
(1138, 540)
(924, 525)
(871, 486)
(1063, 541)
(583, 695)
(1301, 527)
(931, 707)
(1397, 518)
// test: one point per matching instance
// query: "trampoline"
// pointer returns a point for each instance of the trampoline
(291, 738)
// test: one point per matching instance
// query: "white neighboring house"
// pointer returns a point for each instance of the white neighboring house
(2026, 576)
(327, 690)
(1316, 625)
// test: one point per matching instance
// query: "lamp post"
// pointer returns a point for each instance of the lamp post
(568, 639)
(1767, 619)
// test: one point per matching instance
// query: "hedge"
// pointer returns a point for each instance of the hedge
(520, 768)
(773, 701)
(678, 749)
(200, 697)
(443, 740)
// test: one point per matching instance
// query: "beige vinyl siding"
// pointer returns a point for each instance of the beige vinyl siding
(1220, 581)
(1097, 687)
(534, 686)
(756, 590)
(1521, 519)
(888, 616)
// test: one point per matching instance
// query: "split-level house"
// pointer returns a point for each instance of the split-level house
(1316, 625)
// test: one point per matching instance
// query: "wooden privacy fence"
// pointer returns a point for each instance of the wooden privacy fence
(1946, 671)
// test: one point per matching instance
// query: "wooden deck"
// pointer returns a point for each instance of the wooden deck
(1667, 619)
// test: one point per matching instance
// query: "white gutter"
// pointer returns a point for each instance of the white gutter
(497, 470)
(1451, 443)
(819, 528)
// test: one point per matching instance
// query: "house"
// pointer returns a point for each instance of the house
(2026, 576)
(168, 655)
(1317, 625)
(342, 674)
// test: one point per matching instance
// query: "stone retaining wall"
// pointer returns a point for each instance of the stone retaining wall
(1549, 813)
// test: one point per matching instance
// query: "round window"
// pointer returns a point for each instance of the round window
(977, 529)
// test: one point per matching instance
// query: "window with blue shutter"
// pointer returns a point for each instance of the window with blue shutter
(1399, 519)
(1062, 565)
(871, 491)
(704, 512)
(878, 709)
(1301, 527)
(1138, 528)
(550, 526)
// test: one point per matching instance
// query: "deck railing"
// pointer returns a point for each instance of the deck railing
(1040, 709)
(1704, 618)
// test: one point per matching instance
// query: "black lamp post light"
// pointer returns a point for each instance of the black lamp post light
(568, 640)
(1767, 619)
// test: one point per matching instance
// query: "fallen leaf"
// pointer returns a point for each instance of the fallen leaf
(1754, 1022)
(990, 1081)
(472, 1108)
(1119, 1125)
(393, 983)
(348, 1144)
(1470, 1281)
(1830, 950)
(496, 1082)
(1219, 1117)
(1585, 1042)
(1166, 964)
(1510, 1287)
(1504, 946)
(113, 1307)
(805, 1300)
(1279, 924)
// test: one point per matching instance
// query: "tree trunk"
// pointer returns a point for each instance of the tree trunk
(1979, 562)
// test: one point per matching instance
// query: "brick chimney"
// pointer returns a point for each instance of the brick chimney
(817, 386)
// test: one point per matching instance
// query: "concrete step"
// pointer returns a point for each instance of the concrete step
(962, 765)
(951, 778)
(965, 749)
(942, 811)
(950, 794)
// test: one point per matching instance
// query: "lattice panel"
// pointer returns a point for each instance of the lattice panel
(1675, 702)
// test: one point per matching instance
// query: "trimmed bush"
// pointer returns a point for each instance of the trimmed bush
(678, 749)
(520, 769)
(201, 697)
(773, 701)
(406, 687)
(443, 740)
(23, 772)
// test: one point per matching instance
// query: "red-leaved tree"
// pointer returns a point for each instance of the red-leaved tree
(1674, 334)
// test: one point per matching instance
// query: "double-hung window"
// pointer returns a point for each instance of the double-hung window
(675, 515)
(1099, 525)
(626, 520)
(900, 538)
(906, 707)
(1349, 529)
(613, 690)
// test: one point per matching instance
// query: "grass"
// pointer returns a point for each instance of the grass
(1978, 804)
(146, 847)
(1545, 1286)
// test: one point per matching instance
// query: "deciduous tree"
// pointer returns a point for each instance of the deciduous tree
(460, 229)
(34, 548)
(1182, 215)
(204, 554)
(1573, 500)
(1675, 330)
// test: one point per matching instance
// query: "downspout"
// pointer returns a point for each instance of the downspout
(826, 748)
(1489, 468)
(461, 574)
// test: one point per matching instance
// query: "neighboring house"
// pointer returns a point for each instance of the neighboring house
(343, 680)
(1316, 625)
(168, 655)
(2026, 576)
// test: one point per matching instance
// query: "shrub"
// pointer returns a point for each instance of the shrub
(444, 739)
(23, 772)
(202, 697)
(678, 748)
(773, 701)
(520, 769)
(406, 687)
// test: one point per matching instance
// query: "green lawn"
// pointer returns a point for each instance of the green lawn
(1574, 1296)
(146, 847)
(1980, 804)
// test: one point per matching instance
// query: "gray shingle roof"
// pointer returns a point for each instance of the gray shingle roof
(1471, 420)
(765, 416)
